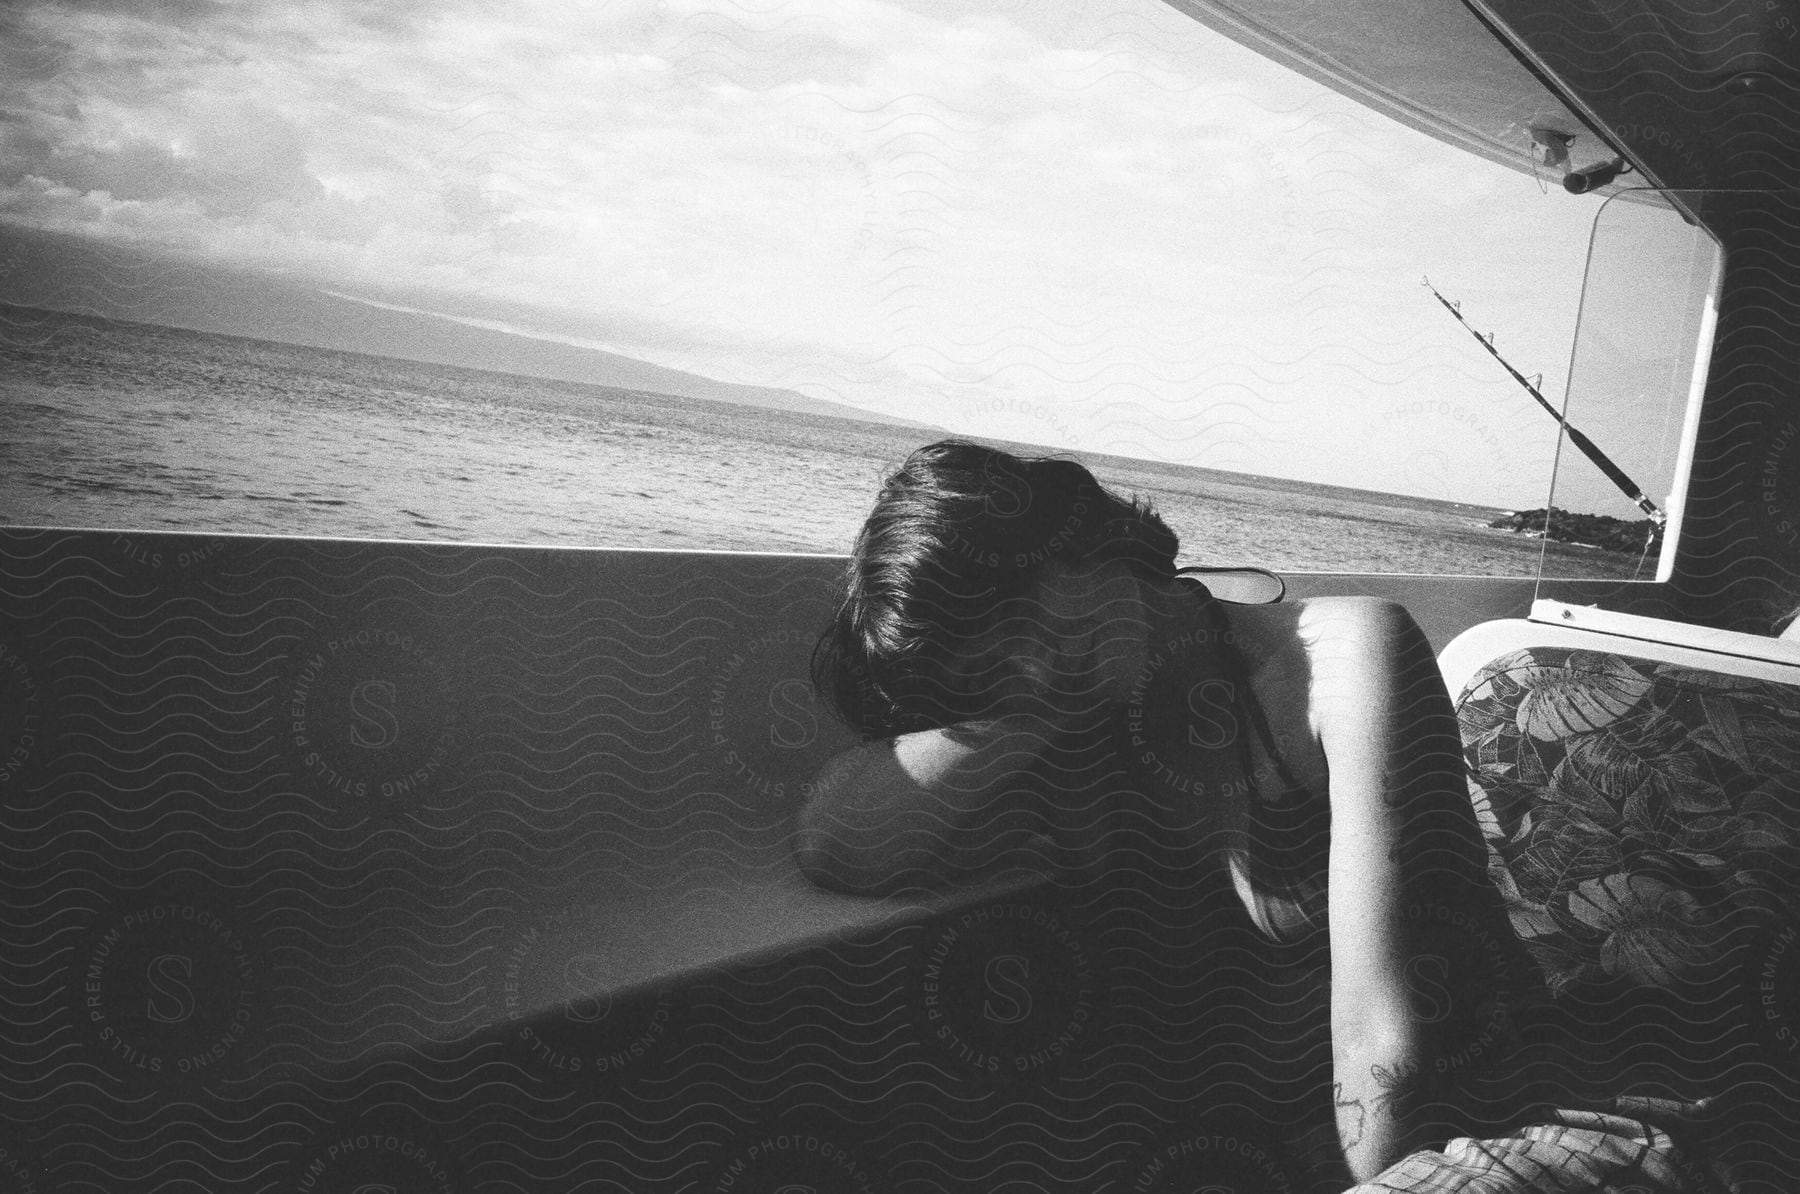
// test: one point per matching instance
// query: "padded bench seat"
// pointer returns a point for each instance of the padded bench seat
(1641, 800)
(1638, 786)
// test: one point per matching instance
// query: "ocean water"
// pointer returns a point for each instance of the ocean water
(127, 426)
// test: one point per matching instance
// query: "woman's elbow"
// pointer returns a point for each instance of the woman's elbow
(825, 849)
(829, 862)
(819, 858)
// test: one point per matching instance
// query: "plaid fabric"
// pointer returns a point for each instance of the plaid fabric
(1577, 1152)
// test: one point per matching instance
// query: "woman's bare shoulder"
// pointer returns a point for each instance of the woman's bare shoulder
(1352, 614)
(1364, 652)
(1353, 646)
(1356, 630)
(1321, 661)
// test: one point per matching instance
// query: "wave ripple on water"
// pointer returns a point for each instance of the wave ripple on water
(129, 426)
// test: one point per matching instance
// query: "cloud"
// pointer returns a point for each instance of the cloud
(178, 13)
(896, 203)
(226, 165)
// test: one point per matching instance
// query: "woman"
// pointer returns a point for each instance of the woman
(1002, 612)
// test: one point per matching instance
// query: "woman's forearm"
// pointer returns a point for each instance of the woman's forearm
(925, 808)
(1376, 1098)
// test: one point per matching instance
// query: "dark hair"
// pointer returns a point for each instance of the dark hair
(958, 532)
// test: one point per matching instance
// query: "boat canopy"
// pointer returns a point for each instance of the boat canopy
(1693, 99)
(1435, 67)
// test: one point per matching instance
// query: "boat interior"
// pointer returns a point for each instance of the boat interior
(468, 867)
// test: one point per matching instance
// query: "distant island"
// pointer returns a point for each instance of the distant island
(1588, 530)
(54, 273)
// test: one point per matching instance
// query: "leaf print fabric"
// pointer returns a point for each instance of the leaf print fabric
(1588, 692)
(1639, 815)
(1653, 932)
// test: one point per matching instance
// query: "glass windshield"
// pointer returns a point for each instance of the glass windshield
(1636, 376)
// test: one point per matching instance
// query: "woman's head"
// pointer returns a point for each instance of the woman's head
(945, 590)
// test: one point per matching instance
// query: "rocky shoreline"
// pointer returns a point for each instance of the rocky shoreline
(1588, 530)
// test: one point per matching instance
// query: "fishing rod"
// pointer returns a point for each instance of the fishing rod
(1588, 448)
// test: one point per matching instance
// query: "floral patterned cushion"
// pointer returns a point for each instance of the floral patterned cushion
(1640, 816)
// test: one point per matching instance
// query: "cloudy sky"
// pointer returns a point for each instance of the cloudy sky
(1096, 227)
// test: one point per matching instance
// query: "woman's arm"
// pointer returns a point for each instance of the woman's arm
(925, 809)
(1403, 835)
(943, 805)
